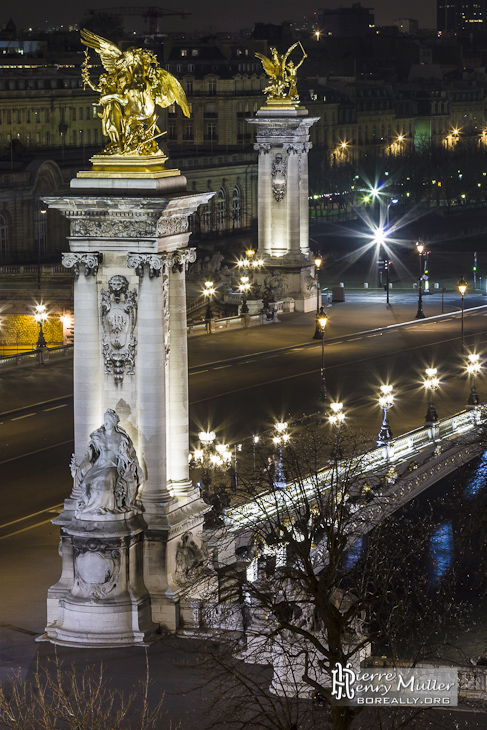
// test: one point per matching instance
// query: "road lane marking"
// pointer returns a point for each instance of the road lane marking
(54, 408)
(31, 453)
(24, 529)
(26, 416)
(55, 508)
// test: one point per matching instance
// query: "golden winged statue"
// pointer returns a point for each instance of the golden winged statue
(282, 87)
(132, 87)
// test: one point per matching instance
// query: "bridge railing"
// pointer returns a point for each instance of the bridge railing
(246, 516)
(35, 357)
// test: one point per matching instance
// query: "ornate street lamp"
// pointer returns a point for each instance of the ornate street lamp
(210, 458)
(420, 250)
(386, 402)
(462, 288)
(208, 292)
(281, 438)
(40, 316)
(321, 321)
(431, 383)
(473, 369)
(244, 287)
(318, 262)
(337, 416)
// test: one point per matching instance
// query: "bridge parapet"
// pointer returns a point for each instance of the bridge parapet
(402, 469)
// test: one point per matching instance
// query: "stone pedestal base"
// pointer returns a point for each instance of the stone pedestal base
(101, 599)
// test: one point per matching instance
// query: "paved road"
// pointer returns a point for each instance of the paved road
(243, 396)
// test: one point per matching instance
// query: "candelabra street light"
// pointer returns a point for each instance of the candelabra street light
(244, 287)
(462, 288)
(431, 383)
(322, 319)
(211, 459)
(420, 250)
(40, 317)
(473, 369)
(208, 292)
(337, 416)
(386, 402)
(247, 266)
(280, 439)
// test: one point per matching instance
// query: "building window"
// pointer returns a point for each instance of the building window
(171, 132)
(212, 87)
(40, 229)
(27, 140)
(190, 68)
(189, 88)
(19, 120)
(94, 112)
(211, 131)
(195, 52)
(73, 137)
(80, 113)
(46, 115)
(48, 139)
(38, 138)
(184, 52)
(3, 237)
(73, 114)
(171, 110)
(27, 116)
(37, 116)
(221, 207)
(9, 116)
(236, 207)
(188, 130)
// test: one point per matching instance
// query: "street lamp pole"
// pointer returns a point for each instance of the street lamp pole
(386, 401)
(40, 317)
(420, 249)
(431, 384)
(462, 288)
(322, 320)
(208, 292)
(317, 334)
(473, 369)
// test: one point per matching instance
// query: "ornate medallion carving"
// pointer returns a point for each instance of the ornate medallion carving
(90, 262)
(97, 568)
(119, 317)
(191, 559)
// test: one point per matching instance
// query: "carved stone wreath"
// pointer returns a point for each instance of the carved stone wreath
(119, 316)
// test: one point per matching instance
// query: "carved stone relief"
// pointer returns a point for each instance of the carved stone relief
(90, 262)
(168, 225)
(279, 176)
(119, 317)
(191, 559)
(97, 568)
(112, 228)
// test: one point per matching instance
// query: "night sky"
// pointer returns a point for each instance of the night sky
(210, 15)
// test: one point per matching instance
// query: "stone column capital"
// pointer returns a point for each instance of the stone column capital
(74, 261)
(138, 261)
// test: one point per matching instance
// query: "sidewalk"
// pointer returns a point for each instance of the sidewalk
(362, 311)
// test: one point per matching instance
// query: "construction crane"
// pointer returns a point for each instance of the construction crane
(153, 13)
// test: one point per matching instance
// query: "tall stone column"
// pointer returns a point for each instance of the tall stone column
(177, 377)
(88, 406)
(121, 533)
(282, 141)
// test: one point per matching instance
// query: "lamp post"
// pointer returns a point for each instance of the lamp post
(431, 384)
(321, 321)
(208, 292)
(318, 262)
(280, 439)
(386, 402)
(462, 288)
(40, 316)
(420, 249)
(473, 369)
(210, 458)
(244, 287)
(247, 265)
(337, 416)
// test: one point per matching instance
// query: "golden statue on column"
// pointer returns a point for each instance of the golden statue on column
(281, 91)
(130, 91)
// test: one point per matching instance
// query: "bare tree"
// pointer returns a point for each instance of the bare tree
(328, 575)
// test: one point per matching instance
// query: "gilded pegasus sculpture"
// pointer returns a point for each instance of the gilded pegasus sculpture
(282, 73)
(132, 87)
